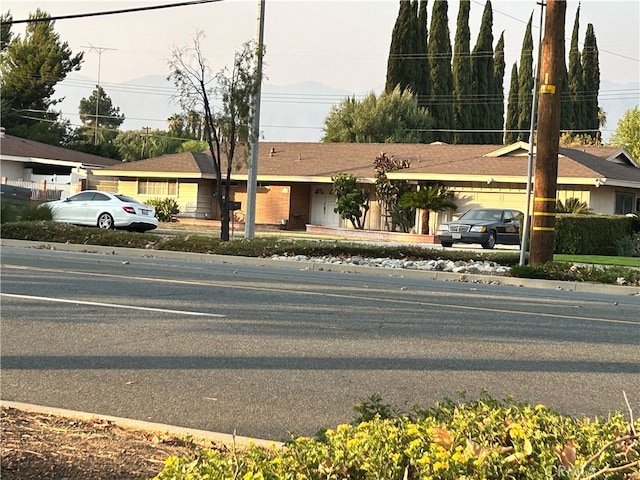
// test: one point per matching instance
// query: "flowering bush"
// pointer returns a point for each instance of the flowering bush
(484, 439)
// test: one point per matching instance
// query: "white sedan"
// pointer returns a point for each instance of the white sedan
(104, 210)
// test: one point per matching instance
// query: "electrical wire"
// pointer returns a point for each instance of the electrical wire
(109, 12)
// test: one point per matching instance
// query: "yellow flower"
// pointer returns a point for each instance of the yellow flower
(412, 430)
(343, 428)
(440, 466)
(415, 443)
(458, 457)
(516, 430)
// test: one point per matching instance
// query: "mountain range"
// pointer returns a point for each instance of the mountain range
(288, 113)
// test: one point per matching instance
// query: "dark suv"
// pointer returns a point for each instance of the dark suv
(486, 226)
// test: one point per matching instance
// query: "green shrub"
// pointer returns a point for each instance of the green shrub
(629, 246)
(482, 439)
(590, 234)
(166, 208)
(8, 212)
(30, 213)
(578, 273)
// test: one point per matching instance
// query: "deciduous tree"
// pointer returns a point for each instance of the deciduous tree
(627, 134)
(134, 145)
(225, 128)
(352, 201)
(393, 117)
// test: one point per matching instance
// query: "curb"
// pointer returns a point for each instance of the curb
(393, 272)
(196, 434)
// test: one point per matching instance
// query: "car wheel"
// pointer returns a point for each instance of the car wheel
(105, 221)
(446, 244)
(491, 241)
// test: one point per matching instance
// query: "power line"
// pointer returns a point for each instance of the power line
(110, 12)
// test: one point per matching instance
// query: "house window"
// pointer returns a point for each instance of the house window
(160, 187)
(624, 203)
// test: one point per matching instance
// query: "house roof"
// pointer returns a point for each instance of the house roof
(318, 162)
(21, 149)
(184, 165)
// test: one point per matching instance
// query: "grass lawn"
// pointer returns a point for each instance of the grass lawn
(599, 260)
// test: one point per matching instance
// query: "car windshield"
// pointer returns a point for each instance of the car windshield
(493, 215)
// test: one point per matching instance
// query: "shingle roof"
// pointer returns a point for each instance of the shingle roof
(21, 147)
(185, 162)
(300, 160)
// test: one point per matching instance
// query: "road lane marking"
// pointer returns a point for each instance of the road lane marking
(333, 295)
(110, 305)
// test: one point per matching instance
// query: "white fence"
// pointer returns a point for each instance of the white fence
(44, 190)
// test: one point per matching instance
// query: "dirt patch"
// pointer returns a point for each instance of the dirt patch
(52, 447)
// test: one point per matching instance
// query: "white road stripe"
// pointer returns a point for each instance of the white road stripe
(111, 305)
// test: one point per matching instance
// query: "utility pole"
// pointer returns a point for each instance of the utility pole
(252, 175)
(99, 50)
(534, 110)
(546, 171)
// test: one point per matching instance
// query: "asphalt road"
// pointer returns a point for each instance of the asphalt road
(264, 350)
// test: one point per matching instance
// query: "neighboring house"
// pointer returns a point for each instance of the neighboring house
(50, 171)
(294, 179)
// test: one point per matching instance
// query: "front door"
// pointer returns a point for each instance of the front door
(323, 203)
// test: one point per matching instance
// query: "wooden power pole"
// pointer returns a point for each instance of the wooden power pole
(546, 169)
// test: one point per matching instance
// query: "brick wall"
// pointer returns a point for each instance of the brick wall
(272, 203)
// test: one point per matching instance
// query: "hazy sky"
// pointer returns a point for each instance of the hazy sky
(342, 44)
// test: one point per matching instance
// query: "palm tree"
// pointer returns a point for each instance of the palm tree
(176, 124)
(431, 197)
(572, 205)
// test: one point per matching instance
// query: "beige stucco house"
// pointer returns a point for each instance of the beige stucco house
(295, 179)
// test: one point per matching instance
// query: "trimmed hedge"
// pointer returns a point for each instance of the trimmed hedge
(592, 234)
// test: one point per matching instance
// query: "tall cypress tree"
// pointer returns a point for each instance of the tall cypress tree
(400, 65)
(482, 76)
(566, 112)
(440, 75)
(591, 82)
(525, 84)
(575, 87)
(422, 83)
(462, 106)
(498, 92)
(511, 124)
